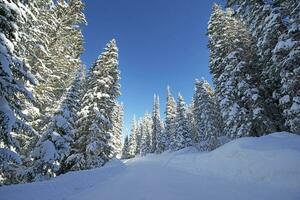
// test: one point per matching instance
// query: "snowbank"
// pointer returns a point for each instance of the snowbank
(273, 159)
(246, 168)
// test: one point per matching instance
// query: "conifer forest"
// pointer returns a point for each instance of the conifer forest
(62, 122)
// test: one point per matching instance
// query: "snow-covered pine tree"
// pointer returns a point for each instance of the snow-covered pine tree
(146, 135)
(102, 87)
(54, 146)
(236, 76)
(266, 23)
(125, 149)
(207, 114)
(158, 134)
(170, 119)
(132, 138)
(116, 140)
(182, 137)
(286, 58)
(58, 25)
(14, 73)
(191, 124)
(139, 136)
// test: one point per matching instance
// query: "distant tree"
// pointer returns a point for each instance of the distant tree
(170, 119)
(183, 138)
(139, 134)
(125, 150)
(191, 122)
(132, 138)
(158, 134)
(146, 135)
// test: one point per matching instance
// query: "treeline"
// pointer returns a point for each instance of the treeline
(255, 64)
(54, 117)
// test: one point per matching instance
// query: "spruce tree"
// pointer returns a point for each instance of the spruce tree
(54, 146)
(286, 58)
(59, 27)
(207, 114)
(139, 136)
(125, 149)
(236, 76)
(116, 140)
(191, 122)
(146, 135)
(14, 73)
(158, 135)
(170, 119)
(182, 138)
(94, 126)
(132, 138)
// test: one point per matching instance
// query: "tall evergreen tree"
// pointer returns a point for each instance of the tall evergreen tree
(14, 73)
(139, 133)
(275, 27)
(183, 138)
(54, 146)
(266, 24)
(236, 76)
(158, 135)
(102, 87)
(286, 58)
(116, 140)
(191, 122)
(207, 114)
(58, 27)
(146, 135)
(125, 149)
(170, 119)
(132, 138)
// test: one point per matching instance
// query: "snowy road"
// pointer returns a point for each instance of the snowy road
(250, 168)
(145, 180)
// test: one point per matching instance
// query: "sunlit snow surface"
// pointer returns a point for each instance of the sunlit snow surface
(247, 168)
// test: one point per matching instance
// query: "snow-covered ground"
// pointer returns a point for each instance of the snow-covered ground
(249, 168)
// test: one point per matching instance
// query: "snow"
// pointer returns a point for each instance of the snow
(246, 168)
(285, 99)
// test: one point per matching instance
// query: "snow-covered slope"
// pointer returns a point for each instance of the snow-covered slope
(247, 168)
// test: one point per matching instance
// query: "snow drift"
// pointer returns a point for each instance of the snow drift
(246, 168)
(273, 159)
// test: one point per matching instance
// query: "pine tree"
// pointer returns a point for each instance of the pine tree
(14, 73)
(266, 24)
(139, 133)
(207, 114)
(158, 135)
(116, 140)
(286, 58)
(125, 150)
(236, 76)
(191, 123)
(183, 138)
(58, 26)
(275, 26)
(54, 146)
(132, 138)
(170, 119)
(146, 135)
(95, 127)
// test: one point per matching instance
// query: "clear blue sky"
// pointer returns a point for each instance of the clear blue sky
(161, 42)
